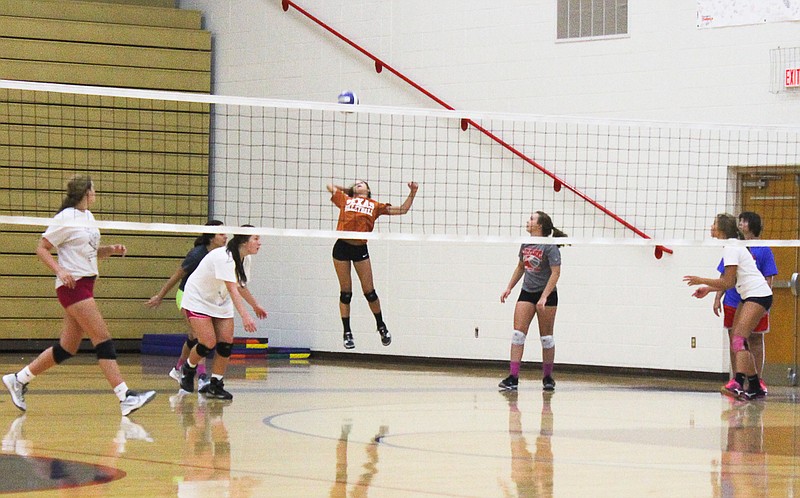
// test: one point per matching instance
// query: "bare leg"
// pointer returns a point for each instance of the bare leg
(364, 272)
(756, 343)
(223, 328)
(203, 329)
(86, 314)
(747, 317)
(523, 316)
(731, 352)
(345, 284)
(547, 320)
(71, 335)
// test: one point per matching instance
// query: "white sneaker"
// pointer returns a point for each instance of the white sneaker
(133, 401)
(17, 390)
(175, 374)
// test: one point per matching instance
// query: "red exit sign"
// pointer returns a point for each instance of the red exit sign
(793, 77)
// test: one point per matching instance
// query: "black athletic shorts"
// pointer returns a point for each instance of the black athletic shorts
(765, 301)
(343, 251)
(533, 297)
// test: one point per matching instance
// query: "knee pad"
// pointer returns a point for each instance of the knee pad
(190, 343)
(224, 349)
(371, 296)
(60, 354)
(105, 350)
(345, 297)
(739, 343)
(548, 342)
(202, 349)
(518, 338)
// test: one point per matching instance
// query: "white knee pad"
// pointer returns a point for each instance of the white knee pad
(518, 338)
(548, 342)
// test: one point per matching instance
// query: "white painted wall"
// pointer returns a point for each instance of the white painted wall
(619, 306)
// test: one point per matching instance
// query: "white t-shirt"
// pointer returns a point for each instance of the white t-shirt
(205, 291)
(76, 246)
(749, 281)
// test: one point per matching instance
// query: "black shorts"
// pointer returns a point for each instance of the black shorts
(533, 297)
(342, 251)
(765, 302)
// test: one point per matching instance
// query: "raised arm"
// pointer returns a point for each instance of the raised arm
(333, 188)
(406, 205)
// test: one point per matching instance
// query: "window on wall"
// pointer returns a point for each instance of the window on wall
(592, 18)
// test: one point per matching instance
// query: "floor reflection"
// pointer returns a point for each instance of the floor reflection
(22, 471)
(206, 449)
(532, 474)
(368, 470)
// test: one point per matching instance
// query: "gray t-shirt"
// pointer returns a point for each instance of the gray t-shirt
(538, 260)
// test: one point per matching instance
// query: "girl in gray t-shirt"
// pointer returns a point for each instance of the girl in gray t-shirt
(540, 264)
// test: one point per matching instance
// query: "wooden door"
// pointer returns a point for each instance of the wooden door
(775, 195)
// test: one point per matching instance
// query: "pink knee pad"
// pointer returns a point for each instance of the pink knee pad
(738, 343)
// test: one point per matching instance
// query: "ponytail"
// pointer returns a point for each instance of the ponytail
(546, 223)
(233, 250)
(77, 187)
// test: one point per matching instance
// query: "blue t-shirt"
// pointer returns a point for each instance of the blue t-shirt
(765, 262)
(190, 262)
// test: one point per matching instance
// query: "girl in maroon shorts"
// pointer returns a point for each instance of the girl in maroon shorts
(78, 250)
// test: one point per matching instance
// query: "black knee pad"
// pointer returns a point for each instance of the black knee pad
(224, 349)
(202, 349)
(190, 343)
(371, 296)
(345, 297)
(60, 354)
(105, 350)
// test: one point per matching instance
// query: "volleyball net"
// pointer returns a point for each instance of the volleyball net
(170, 161)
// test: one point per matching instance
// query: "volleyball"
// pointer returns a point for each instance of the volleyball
(348, 97)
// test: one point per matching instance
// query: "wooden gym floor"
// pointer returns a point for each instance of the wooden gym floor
(331, 428)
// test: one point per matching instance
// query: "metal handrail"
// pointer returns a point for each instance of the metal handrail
(558, 183)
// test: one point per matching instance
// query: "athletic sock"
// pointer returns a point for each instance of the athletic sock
(24, 376)
(346, 323)
(379, 319)
(514, 370)
(547, 369)
(752, 384)
(740, 378)
(121, 391)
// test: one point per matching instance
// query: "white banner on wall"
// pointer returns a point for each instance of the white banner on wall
(721, 13)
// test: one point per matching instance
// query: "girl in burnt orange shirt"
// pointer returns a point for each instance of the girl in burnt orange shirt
(358, 212)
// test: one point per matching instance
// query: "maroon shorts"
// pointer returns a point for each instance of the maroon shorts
(84, 289)
(762, 327)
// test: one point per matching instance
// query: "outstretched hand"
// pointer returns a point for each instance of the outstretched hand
(702, 292)
(692, 280)
(413, 186)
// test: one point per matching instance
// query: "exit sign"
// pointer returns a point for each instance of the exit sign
(792, 77)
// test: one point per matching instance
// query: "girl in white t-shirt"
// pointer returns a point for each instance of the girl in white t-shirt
(78, 250)
(212, 292)
(756, 294)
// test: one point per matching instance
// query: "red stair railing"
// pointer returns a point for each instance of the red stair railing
(558, 183)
